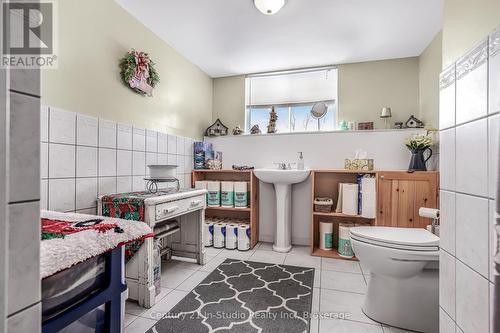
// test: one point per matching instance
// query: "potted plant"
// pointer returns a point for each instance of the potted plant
(418, 144)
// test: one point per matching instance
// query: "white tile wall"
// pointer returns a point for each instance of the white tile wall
(107, 185)
(107, 162)
(472, 158)
(62, 126)
(24, 264)
(494, 78)
(83, 157)
(467, 214)
(472, 88)
(447, 221)
(124, 163)
(86, 130)
(124, 136)
(163, 143)
(493, 148)
(447, 159)
(61, 161)
(24, 124)
(62, 194)
(86, 161)
(139, 139)
(472, 300)
(23, 155)
(151, 141)
(472, 232)
(446, 324)
(107, 134)
(493, 246)
(86, 192)
(447, 287)
(44, 123)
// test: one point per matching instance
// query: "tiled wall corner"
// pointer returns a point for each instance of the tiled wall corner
(469, 122)
(20, 206)
(83, 157)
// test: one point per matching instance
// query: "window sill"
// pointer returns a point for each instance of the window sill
(325, 132)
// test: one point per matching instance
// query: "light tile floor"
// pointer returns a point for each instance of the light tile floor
(339, 288)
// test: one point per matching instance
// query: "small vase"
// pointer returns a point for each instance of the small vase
(417, 161)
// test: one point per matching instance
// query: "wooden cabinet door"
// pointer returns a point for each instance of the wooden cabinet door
(401, 194)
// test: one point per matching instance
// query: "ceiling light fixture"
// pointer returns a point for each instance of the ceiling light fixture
(269, 7)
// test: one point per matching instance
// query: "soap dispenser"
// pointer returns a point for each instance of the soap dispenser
(300, 162)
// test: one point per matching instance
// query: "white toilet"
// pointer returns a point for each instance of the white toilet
(403, 290)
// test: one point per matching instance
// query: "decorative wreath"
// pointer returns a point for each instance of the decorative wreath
(138, 72)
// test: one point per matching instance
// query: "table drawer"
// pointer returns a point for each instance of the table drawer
(178, 207)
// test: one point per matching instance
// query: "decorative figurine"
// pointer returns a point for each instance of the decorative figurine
(398, 125)
(255, 129)
(237, 130)
(344, 126)
(216, 129)
(273, 117)
(413, 122)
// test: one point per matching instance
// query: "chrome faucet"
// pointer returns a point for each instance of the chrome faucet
(281, 166)
(284, 166)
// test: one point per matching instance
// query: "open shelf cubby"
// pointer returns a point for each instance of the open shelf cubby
(325, 183)
(250, 213)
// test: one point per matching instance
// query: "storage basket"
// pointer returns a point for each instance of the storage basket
(323, 205)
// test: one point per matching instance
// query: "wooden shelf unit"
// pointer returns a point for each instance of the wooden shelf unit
(399, 196)
(325, 183)
(250, 213)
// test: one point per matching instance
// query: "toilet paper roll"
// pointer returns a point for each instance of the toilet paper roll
(368, 197)
(240, 194)
(231, 236)
(213, 195)
(219, 235)
(227, 194)
(243, 237)
(208, 234)
(429, 212)
(350, 199)
(326, 236)
(345, 247)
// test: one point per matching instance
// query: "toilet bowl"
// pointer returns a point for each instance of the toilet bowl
(403, 290)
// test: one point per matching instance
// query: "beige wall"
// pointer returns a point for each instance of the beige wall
(465, 24)
(229, 100)
(364, 88)
(429, 65)
(93, 36)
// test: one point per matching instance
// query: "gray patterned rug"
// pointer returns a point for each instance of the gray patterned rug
(247, 297)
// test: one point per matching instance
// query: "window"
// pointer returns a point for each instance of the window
(293, 94)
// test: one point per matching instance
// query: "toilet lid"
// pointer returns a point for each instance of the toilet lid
(397, 237)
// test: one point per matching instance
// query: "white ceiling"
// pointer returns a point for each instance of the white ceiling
(230, 37)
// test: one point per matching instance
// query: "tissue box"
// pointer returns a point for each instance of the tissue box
(365, 164)
(202, 153)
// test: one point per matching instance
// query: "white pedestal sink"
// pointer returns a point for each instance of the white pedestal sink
(282, 180)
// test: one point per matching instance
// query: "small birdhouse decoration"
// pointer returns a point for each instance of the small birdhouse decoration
(255, 129)
(237, 130)
(413, 122)
(216, 129)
